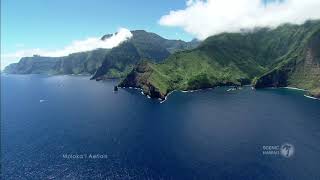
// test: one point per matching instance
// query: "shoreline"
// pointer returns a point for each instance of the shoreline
(167, 95)
(307, 92)
(195, 90)
(211, 88)
(311, 97)
(294, 88)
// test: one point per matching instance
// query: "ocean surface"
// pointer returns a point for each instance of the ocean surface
(68, 127)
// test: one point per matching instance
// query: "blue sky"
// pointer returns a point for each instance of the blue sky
(54, 27)
(54, 24)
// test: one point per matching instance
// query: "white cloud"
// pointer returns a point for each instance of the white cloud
(203, 18)
(76, 46)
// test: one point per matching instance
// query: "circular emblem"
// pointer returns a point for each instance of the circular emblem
(287, 150)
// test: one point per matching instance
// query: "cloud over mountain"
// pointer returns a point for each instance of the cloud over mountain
(76, 46)
(203, 18)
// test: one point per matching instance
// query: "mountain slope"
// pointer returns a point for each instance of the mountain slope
(228, 59)
(77, 63)
(103, 63)
(143, 45)
(300, 68)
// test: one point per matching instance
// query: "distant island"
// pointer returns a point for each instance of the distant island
(288, 55)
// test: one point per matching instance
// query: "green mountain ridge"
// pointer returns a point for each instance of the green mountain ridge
(103, 63)
(288, 55)
(77, 63)
(300, 68)
(285, 56)
(143, 45)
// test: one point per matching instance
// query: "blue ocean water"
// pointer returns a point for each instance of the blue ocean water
(208, 134)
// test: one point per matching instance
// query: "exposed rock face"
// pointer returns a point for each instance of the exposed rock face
(118, 62)
(285, 56)
(143, 45)
(146, 77)
(301, 68)
(77, 63)
(139, 77)
(277, 78)
(104, 63)
(316, 94)
(35, 64)
(107, 36)
(288, 55)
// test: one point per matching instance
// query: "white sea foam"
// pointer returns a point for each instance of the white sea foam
(311, 97)
(162, 101)
(294, 88)
(166, 97)
(189, 91)
(232, 89)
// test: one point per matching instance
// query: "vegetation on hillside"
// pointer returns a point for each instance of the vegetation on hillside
(77, 63)
(238, 59)
(104, 63)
